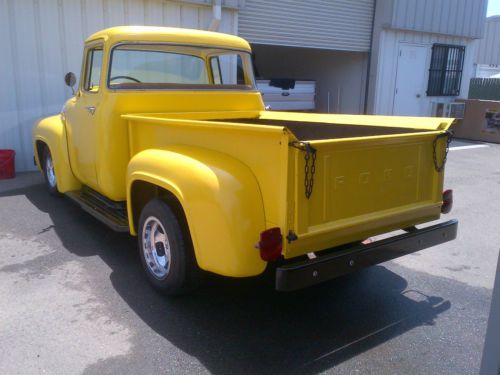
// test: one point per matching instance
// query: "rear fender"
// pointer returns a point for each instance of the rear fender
(51, 132)
(221, 200)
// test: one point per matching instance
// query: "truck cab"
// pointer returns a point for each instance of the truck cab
(151, 70)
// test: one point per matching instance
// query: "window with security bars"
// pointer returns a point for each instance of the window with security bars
(445, 73)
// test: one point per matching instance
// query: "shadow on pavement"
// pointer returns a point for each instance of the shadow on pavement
(242, 325)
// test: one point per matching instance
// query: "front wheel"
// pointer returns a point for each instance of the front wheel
(166, 250)
(49, 172)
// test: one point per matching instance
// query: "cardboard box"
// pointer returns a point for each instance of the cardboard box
(481, 121)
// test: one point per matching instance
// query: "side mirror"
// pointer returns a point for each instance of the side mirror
(70, 80)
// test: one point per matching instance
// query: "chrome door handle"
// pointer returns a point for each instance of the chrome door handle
(91, 109)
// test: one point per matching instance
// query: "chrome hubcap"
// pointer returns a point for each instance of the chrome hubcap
(51, 174)
(156, 247)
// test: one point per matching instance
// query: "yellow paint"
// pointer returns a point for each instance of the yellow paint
(175, 35)
(233, 179)
(51, 132)
(362, 186)
(220, 197)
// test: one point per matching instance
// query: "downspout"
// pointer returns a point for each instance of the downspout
(367, 87)
(216, 15)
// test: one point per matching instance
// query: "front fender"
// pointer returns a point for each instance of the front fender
(52, 132)
(221, 200)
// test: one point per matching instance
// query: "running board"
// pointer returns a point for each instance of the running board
(111, 213)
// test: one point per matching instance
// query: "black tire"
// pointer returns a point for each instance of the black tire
(48, 169)
(181, 272)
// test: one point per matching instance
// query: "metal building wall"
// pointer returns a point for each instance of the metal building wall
(385, 84)
(488, 50)
(451, 17)
(335, 24)
(43, 39)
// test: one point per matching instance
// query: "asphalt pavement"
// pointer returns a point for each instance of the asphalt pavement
(74, 298)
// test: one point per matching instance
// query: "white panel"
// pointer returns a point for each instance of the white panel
(52, 69)
(44, 40)
(153, 12)
(115, 12)
(229, 22)
(451, 17)
(205, 16)
(23, 35)
(92, 16)
(9, 114)
(335, 24)
(488, 51)
(73, 29)
(385, 85)
(134, 12)
(189, 16)
(172, 14)
(487, 71)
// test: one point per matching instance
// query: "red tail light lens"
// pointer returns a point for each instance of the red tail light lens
(447, 201)
(270, 244)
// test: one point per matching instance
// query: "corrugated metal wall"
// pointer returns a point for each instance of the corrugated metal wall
(387, 66)
(337, 24)
(452, 17)
(488, 50)
(43, 39)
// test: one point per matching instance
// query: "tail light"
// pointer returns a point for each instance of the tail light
(447, 201)
(270, 244)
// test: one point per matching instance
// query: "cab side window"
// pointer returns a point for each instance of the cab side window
(227, 69)
(93, 69)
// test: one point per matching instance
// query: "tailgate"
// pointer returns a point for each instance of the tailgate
(362, 187)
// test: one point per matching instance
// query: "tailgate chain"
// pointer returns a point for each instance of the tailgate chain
(310, 155)
(449, 136)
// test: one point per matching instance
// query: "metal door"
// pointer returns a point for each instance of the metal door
(409, 92)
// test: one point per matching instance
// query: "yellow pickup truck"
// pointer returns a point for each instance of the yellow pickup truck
(166, 137)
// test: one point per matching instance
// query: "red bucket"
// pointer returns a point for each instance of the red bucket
(7, 168)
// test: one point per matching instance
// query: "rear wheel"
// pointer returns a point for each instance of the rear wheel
(166, 250)
(49, 172)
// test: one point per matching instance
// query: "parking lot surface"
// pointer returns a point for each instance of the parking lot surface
(74, 298)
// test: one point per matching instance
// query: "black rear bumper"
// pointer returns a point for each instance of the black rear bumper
(305, 273)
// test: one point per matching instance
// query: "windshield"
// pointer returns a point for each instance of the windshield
(142, 66)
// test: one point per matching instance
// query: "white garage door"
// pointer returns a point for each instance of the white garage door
(42, 40)
(334, 24)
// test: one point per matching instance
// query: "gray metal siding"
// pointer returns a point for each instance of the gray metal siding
(488, 51)
(43, 39)
(450, 17)
(335, 24)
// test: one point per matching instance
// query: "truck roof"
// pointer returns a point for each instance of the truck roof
(156, 34)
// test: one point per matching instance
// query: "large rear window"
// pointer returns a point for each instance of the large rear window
(142, 66)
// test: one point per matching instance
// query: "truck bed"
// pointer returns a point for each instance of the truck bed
(371, 174)
(309, 131)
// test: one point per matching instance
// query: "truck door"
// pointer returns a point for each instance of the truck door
(82, 118)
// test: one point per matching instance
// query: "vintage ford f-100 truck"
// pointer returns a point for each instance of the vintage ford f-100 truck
(166, 137)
